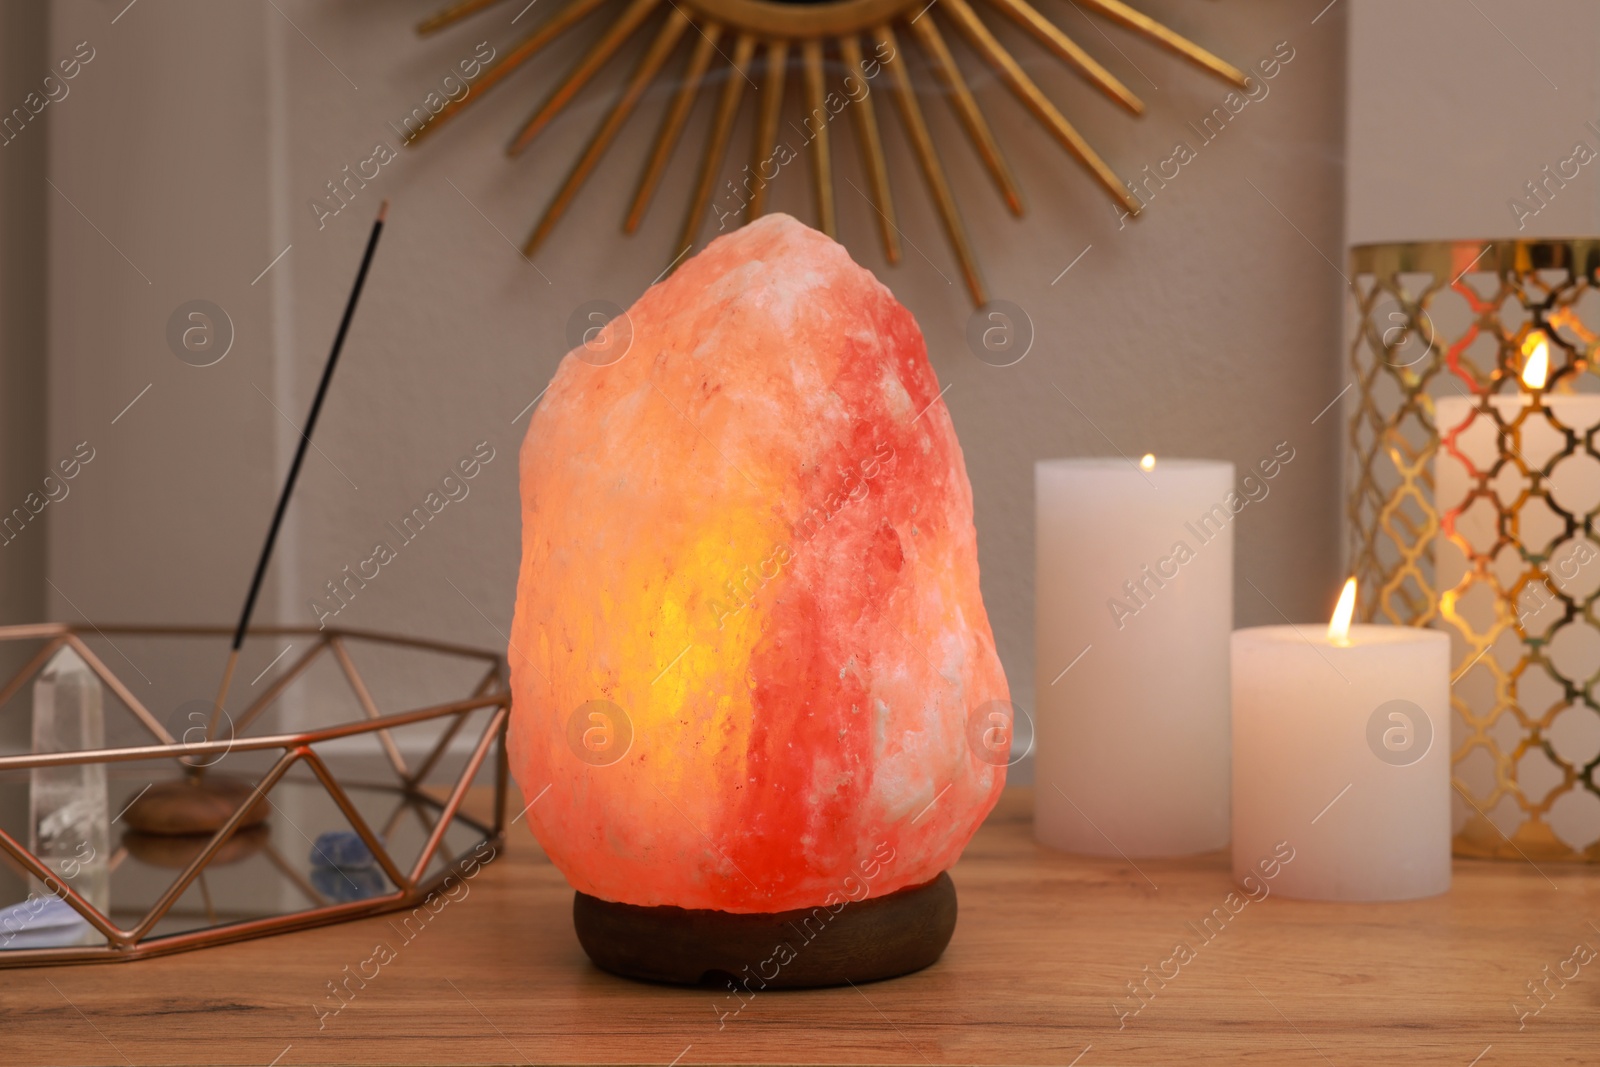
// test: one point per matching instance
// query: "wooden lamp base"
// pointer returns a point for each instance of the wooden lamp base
(881, 937)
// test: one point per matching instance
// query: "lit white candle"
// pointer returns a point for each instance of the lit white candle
(1476, 439)
(1471, 443)
(1341, 752)
(1473, 448)
(1133, 604)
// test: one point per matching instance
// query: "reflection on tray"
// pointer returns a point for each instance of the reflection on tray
(344, 869)
(304, 857)
(43, 922)
(176, 853)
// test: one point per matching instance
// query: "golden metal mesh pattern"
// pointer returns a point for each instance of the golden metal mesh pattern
(1484, 526)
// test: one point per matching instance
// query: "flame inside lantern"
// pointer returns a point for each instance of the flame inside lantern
(1536, 360)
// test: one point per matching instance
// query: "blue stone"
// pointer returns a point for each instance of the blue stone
(345, 885)
(341, 850)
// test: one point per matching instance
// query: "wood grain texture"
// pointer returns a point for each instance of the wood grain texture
(1044, 946)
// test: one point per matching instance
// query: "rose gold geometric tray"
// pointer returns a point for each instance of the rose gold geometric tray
(170, 895)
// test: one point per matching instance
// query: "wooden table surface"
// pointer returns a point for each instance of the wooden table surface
(1044, 949)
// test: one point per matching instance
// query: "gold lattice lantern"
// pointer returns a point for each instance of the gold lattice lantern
(1474, 491)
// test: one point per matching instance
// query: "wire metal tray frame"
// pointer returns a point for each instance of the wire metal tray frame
(138, 942)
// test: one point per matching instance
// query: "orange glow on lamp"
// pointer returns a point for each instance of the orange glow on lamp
(754, 679)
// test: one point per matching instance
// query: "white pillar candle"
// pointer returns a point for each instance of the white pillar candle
(1341, 759)
(1472, 442)
(1134, 603)
(1539, 532)
(1472, 439)
(1574, 483)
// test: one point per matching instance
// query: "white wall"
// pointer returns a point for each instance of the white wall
(199, 133)
(23, 29)
(1455, 107)
(159, 160)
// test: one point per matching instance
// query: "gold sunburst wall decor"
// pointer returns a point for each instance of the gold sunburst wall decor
(864, 38)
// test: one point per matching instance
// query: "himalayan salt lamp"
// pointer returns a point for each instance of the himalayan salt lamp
(749, 638)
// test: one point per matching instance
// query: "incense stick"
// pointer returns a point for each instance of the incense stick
(294, 470)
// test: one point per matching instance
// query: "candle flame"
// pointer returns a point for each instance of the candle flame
(1339, 625)
(1536, 360)
(1148, 462)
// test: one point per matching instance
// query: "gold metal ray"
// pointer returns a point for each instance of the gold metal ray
(1117, 11)
(761, 149)
(649, 66)
(966, 109)
(744, 47)
(564, 19)
(672, 124)
(866, 122)
(821, 157)
(1011, 73)
(905, 98)
(1065, 48)
(781, 30)
(602, 50)
(454, 13)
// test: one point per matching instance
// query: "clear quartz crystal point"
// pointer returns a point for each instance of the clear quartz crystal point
(68, 813)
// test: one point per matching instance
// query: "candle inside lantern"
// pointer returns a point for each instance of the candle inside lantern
(1472, 447)
(1134, 602)
(1479, 475)
(1341, 759)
